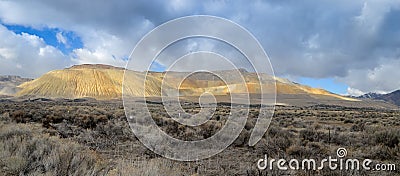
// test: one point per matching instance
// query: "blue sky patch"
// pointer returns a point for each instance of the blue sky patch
(157, 67)
(49, 35)
(328, 84)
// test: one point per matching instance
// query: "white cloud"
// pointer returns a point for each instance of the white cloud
(84, 56)
(27, 55)
(61, 39)
(383, 78)
(109, 31)
(7, 53)
(312, 42)
(355, 92)
(373, 14)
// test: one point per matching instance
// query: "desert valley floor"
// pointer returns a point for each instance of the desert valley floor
(89, 137)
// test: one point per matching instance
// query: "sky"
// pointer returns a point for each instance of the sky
(346, 47)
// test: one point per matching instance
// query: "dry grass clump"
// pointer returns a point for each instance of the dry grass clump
(85, 116)
(189, 133)
(150, 167)
(387, 137)
(25, 151)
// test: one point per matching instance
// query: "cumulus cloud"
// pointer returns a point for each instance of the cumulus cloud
(62, 39)
(345, 40)
(27, 55)
(384, 78)
(108, 30)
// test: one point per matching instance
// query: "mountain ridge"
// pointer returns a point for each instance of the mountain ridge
(9, 84)
(104, 82)
(393, 97)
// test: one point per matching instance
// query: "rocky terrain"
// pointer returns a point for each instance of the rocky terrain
(393, 97)
(9, 84)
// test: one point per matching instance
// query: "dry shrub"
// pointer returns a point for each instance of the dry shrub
(242, 139)
(20, 116)
(89, 120)
(298, 151)
(357, 127)
(387, 137)
(24, 150)
(210, 128)
(382, 153)
(150, 167)
(310, 135)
